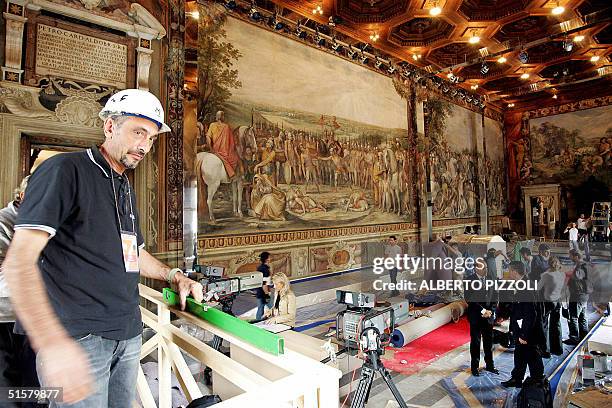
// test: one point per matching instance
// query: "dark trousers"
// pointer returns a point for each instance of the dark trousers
(393, 278)
(481, 328)
(17, 362)
(551, 323)
(554, 338)
(527, 355)
(393, 275)
(577, 322)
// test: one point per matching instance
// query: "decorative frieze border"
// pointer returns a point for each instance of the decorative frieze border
(569, 107)
(293, 237)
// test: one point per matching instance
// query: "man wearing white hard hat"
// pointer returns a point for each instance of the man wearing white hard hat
(75, 261)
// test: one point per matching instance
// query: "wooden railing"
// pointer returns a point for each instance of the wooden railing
(288, 380)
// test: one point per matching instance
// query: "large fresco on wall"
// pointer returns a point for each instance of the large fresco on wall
(495, 168)
(571, 148)
(452, 132)
(314, 140)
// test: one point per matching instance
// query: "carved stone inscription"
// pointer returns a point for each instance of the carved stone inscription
(68, 54)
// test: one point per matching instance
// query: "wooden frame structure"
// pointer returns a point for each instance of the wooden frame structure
(307, 382)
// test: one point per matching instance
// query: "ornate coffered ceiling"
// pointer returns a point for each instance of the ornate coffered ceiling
(505, 28)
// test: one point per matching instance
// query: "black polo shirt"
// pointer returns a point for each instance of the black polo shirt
(70, 196)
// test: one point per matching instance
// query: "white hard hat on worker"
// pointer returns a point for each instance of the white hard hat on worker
(135, 102)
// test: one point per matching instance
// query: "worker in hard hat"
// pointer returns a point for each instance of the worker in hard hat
(77, 256)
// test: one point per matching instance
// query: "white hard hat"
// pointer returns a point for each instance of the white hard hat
(135, 102)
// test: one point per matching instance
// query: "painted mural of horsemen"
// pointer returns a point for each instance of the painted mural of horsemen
(212, 171)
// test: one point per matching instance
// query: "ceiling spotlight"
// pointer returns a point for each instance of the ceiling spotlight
(299, 32)
(317, 10)
(484, 68)
(416, 57)
(333, 21)
(336, 45)
(558, 10)
(453, 78)
(474, 87)
(374, 37)
(525, 76)
(523, 57)
(274, 23)
(502, 59)
(554, 96)
(194, 14)
(474, 39)
(568, 45)
(595, 58)
(435, 10)
(511, 105)
(230, 5)
(254, 14)
(578, 38)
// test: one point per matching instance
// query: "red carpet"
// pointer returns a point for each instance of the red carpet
(424, 350)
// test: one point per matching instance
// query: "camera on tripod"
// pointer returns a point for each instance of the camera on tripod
(224, 289)
(368, 328)
(361, 313)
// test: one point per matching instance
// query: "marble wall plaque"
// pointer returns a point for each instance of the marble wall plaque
(73, 55)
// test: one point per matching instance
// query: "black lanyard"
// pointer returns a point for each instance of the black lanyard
(117, 205)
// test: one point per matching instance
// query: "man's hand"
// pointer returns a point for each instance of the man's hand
(186, 287)
(65, 364)
(522, 341)
(487, 313)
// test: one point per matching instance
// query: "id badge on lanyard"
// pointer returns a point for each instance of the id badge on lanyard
(129, 241)
(129, 245)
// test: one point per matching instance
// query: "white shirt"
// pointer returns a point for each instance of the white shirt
(573, 234)
(581, 223)
(392, 251)
(552, 282)
(536, 212)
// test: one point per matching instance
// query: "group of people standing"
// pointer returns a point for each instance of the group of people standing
(535, 316)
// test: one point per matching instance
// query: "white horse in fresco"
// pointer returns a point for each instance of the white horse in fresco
(210, 169)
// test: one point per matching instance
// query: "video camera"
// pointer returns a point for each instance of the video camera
(361, 315)
(225, 289)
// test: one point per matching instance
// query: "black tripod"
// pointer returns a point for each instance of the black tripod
(370, 343)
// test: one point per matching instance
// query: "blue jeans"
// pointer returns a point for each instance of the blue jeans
(261, 306)
(577, 323)
(114, 368)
